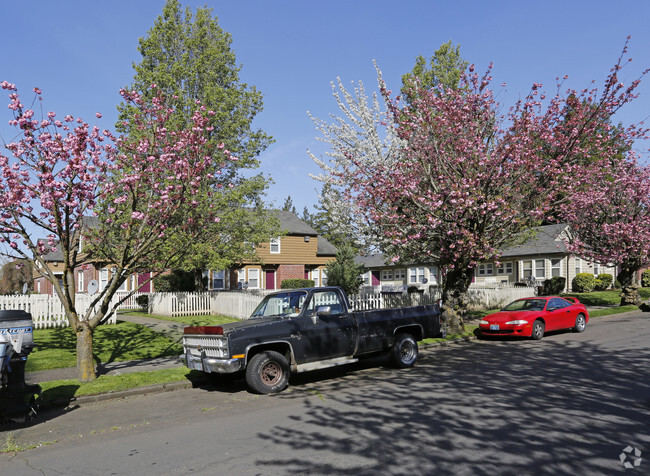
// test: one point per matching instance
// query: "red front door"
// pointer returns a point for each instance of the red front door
(144, 288)
(270, 279)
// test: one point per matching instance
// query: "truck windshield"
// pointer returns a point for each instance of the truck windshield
(286, 304)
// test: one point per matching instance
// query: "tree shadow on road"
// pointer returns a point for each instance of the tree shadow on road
(494, 407)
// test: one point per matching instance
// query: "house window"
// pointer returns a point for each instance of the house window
(103, 278)
(505, 268)
(241, 278)
(80, 281)
(556, 267)
(578, 265)
(596, 269)
(534, 267)
(219, 279)
(275, 246)
(253, 278)
(315, 277)
(324, 277)
(418, 275)
(366, 278)
(433, 276)
(386, 274)
(485, 269)
(400, 273)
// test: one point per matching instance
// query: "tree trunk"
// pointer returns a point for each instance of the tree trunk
(630, 288)
(85, 360)
(455, 299)
(200, 283)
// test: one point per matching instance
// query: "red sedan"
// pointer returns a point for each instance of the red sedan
(532, 317)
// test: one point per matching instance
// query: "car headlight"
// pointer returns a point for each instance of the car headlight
(483, 322)
(518, 322)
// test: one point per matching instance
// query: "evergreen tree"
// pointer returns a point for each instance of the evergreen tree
(444, 71)
(344, 271)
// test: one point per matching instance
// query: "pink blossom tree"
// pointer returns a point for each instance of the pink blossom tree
(128, 202)
(467, 181)
(611, 224)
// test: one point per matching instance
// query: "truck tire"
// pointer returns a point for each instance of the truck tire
(267, 372)
(404, 352)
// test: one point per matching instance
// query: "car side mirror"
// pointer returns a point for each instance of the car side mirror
(314, 319)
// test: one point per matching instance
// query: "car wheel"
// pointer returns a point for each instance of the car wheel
(404, 352)
(538, 329)
(267, 372)
(581, 323)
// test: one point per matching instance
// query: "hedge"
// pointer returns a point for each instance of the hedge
(297, 283)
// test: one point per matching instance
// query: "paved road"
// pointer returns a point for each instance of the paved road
(568, 404)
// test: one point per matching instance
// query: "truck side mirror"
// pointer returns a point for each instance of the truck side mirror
(314, 319)
(324, 310)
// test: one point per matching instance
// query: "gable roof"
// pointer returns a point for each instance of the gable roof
(325, 248)
(545, 240)
(376, 260)
(295, 226)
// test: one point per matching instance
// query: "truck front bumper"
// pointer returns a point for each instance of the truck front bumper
(210, 364)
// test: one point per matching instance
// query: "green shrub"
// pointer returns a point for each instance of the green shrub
(645, 278)
(297, 283)
(583, 283)
(143, 302)
(175, 282)
(603, 282)
(555, 285)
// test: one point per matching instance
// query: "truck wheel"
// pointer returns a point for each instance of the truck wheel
(267, 372)
(404, 352)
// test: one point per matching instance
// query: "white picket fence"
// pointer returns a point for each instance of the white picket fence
(241, 304)
(47, 311)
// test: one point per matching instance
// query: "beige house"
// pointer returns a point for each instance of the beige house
(388, 277)
(541, 257)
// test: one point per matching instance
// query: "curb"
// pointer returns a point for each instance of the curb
(103, 397)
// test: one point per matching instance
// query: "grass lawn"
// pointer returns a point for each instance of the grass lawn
(605, 298)
(56, 348)
(189, 320)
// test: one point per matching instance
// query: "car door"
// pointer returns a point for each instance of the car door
(326, 335)
(560, 315)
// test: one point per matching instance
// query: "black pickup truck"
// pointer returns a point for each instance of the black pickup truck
(306, 329)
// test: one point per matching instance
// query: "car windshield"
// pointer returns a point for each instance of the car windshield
(283, 304)
(526, 305)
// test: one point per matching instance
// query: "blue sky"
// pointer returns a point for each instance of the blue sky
(81, 52)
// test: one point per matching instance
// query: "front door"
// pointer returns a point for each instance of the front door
(270, 279)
